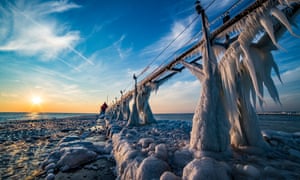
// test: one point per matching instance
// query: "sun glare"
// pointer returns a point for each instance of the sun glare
(36, 100)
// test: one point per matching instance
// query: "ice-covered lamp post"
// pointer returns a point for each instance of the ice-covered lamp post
(134, 115)
(210, 131)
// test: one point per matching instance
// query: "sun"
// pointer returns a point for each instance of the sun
(36, 100)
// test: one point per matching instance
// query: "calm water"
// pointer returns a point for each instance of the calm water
(280, 122)
(7, 116)
(275, 121)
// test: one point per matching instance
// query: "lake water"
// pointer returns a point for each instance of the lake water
(7, 116)
(288, 122)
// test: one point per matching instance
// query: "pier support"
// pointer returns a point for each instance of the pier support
(143, 105)
(210, 131)
(134, 115)
(125, 108)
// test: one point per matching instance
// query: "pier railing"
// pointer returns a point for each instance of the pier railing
(168, 70)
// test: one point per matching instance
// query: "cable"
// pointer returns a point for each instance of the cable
(148, 66)
(164, 62)
(196, 34)
(209, 5)
(229, 9)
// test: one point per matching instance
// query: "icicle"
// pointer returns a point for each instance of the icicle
(267, 24)
(282, 18)
(195, 70)
(276, 69)
(264, 63)
(248, 60)
(218, 51)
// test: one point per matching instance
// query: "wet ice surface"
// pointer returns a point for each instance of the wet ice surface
(26, 145)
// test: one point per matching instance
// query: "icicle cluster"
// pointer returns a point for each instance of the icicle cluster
(245, 68)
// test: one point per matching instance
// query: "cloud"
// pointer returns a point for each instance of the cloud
(56, 7)
(122, 52)
(32, 32)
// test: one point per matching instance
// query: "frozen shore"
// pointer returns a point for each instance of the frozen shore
(87, 148)
(161, 151)
(27, 146)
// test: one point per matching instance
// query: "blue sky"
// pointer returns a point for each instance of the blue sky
(76, 54)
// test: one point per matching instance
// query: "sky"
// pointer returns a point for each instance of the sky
(71, 56)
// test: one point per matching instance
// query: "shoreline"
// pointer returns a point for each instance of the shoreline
(38, 149)
(27, 144)
(161, 151)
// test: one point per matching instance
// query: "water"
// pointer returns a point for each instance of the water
(7, 116)
(288, 122)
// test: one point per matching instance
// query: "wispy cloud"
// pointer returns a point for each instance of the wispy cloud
(56, 7)
(122, 52)
(176, 28)
(32, 32)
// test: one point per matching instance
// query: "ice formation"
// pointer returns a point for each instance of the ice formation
(210, 125)
(143, 106)
(134, 116)
(124, 108)
(232, 85)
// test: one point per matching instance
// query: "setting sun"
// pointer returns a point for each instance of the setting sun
(36, 100)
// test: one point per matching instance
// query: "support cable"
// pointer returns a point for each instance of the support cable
(173, 54)
(148, 66)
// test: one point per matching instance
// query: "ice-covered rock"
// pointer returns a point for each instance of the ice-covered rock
(243, 171)
(75, 157)
(271, 173)
(86, 144)
(151, 168)
(169, 176)
(50, 176)
(182, 158)
(144, 142)
(50, 166)
(206, 168)
(130, 170)
(294, 153)
(69, 139)
(161, 152)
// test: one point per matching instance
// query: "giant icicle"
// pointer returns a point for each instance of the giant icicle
(125, 108)
(134, 115)
(243, 71)
(143, 106)
(246, 75)
(210, 131)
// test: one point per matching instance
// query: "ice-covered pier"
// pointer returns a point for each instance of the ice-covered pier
(233, 64)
